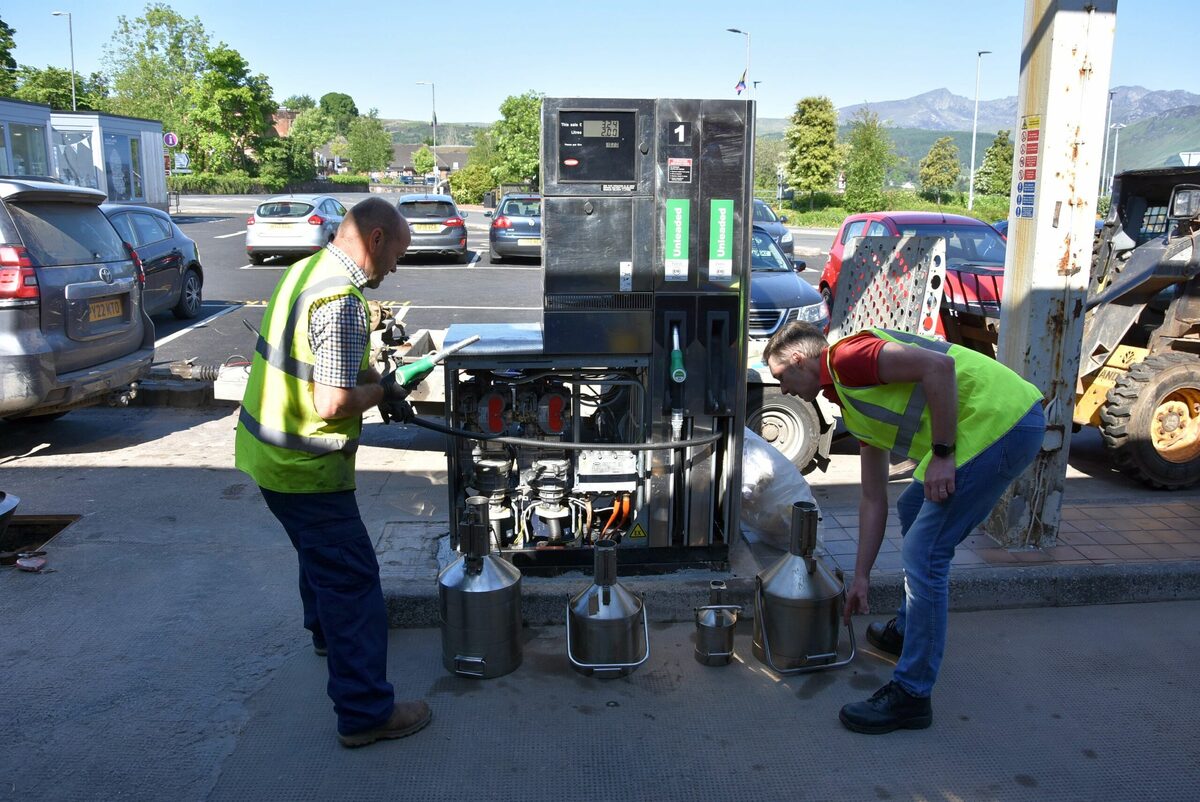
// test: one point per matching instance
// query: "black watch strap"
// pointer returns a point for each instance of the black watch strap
(943, 449)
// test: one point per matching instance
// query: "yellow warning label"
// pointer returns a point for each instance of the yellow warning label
(638, 531)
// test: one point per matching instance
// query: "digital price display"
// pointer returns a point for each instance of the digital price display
(597, 146)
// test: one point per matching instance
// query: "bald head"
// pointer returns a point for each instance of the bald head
(375, 235)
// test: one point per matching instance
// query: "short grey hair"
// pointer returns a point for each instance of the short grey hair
(372, 213)
(796, 336)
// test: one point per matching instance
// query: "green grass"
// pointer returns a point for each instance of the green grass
(826, 211)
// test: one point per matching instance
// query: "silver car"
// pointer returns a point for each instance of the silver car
(292, 226)
(437, 225)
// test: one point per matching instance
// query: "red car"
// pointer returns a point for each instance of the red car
(974, 254)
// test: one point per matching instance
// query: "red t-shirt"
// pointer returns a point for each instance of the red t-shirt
(856, 359)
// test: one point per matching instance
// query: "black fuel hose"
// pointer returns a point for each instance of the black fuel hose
(522, 441)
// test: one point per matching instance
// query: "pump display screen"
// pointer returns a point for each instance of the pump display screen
(597, 146)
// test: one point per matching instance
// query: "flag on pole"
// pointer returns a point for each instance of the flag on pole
(741, 84)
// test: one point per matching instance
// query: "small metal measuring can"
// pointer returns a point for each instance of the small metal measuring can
(716, 623)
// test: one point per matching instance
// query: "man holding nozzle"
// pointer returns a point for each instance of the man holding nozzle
(971, 424)
(309, 385)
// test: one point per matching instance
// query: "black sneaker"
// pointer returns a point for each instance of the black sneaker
(885, 638)
(891, 708)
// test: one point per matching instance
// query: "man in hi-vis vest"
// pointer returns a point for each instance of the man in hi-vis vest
(297, 434)
(972, 426)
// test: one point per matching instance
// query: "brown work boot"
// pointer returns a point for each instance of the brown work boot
(406, 718)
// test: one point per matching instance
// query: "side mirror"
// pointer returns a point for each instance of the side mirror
(1185, 202)
(487, 213)
(783, 219)
(462, 214)
(799, 265)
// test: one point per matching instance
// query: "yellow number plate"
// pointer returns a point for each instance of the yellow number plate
(279, 226)
(426, 228)
(103, 310)
(530, 241)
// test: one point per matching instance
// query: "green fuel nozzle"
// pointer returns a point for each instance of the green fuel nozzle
(678, 373)
(414, 373)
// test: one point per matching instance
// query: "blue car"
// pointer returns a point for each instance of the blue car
(516, 227)
(767, 220)
(777, 293)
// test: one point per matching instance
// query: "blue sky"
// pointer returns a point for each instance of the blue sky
(478, 53)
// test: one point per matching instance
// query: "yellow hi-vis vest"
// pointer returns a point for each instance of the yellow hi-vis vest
(895, 417)
(282, 443)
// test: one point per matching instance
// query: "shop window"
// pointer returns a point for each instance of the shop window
(123, 168)
(28, 149)
(76, 158)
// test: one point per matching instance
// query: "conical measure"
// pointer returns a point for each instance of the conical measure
(607, 628)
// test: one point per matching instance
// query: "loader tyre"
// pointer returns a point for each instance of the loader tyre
(788, 423)
(1150, 421)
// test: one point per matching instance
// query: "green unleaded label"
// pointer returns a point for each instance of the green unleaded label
(676, 233)
(720, 241)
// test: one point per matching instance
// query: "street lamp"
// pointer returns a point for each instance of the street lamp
(1116, 144)
(1104, 158)
(746, 75)
(71, 39)
(974, 127)
(433, 97)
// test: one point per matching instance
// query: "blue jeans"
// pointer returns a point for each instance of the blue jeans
(343, 600)
(931, 533)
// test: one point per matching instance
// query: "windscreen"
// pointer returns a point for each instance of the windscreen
(284, 209)
(765, 254)
(438, 209)
(527, 207)
(763, 214)
(963, 243)
(58, 234)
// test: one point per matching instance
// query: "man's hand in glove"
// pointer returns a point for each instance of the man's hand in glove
(400, 411)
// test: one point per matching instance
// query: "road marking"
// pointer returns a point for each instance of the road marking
(198, 323)
(227, 236)
(264, 267)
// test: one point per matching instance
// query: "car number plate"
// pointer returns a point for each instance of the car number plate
(103, 310)
(426, 228)
(530, 241)
(279, 226)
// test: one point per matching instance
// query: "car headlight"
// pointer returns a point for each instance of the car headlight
(813, 313)
(786, 238)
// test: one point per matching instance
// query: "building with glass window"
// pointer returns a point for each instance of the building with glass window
(122, 156)
(25, 139)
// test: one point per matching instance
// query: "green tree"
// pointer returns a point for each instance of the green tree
(298, 102)
(423, 160)
(768, 156)
(368, 145)
(52, 86)
(8, 64)
(311, 131)
(230, 110)
(516, 137)
(939, 170)
(994, 176)
(154, 62)
(468, 184)
(867, 163)
(812, 148)
(340, 109)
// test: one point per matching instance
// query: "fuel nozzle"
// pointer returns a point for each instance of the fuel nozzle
(414, 373)
(678, 377)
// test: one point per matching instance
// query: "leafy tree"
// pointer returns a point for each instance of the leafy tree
(299, 102)
(52, 86)
(768, 156)
(230, 111)
(812, 151)
(867, 163)
(340, 109)
(285, 160)
(8, 64)
(154, 62)
(939, 169)
(516, 137)
(468, 184)
(423, 160)
(994, 176)
(310, 131)
(368, 145)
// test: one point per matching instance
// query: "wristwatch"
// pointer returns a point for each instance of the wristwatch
(943, 449)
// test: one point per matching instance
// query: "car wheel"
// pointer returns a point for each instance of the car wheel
(496, 258)
(788, 423)
(464, 257)
(190, 296)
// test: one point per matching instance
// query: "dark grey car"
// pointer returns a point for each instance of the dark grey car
(170, 259)
(516, 227)
(437, 226)
(766, 219)
(72, 327)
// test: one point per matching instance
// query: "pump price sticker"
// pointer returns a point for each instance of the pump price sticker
(720, 241)
(676, 232)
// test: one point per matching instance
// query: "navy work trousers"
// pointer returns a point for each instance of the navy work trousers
(343, 601)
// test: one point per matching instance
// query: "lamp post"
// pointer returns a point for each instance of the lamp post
(974, 128)
(71, 39)
(433, 99)
(749, 85)
(1104, 158)
(1112, 176)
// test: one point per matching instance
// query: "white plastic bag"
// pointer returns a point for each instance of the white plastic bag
(770, 485)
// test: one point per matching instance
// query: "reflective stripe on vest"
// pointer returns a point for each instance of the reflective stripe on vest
(296, 442)
(281, 357)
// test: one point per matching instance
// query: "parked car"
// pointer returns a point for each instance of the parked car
(1002, 227)
(170, 259)
(777, 294)
(72, 327)
(437, 225)
(516, 227)
(766, 219)
(974, 251)
(292, 226)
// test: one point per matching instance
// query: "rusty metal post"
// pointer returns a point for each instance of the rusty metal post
(1065, 64)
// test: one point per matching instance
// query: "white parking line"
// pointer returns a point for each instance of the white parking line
(227, 236)
(198, 323)
(264, 267)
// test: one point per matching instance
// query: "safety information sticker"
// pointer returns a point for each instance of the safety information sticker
(679, 171)
(720, 241)
(1028, 151)
(675, 240)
